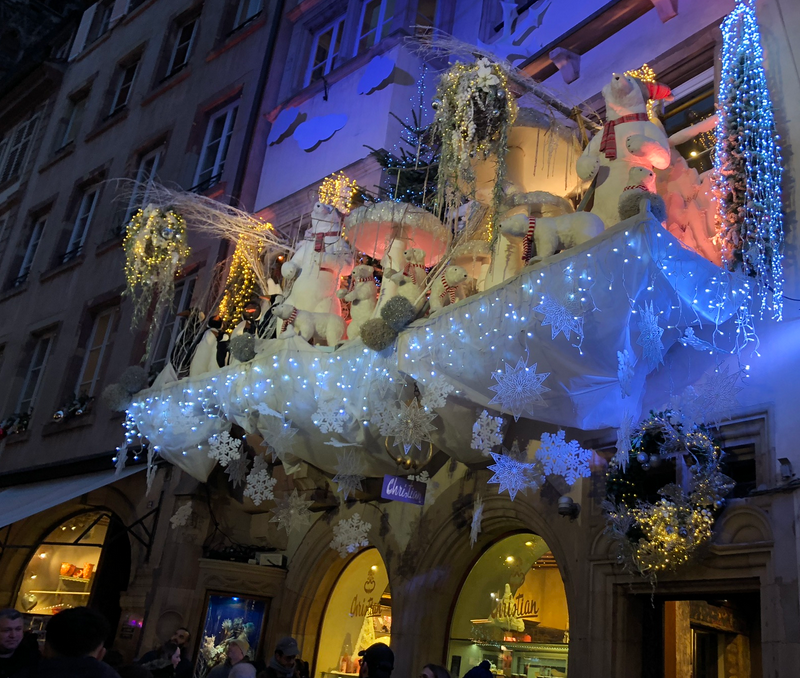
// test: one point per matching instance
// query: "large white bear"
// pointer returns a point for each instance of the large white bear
(317, 264)
(628, 139)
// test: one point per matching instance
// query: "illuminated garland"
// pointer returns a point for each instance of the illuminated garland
(474, 112)
(155, 250)
(660, 527)
(747, 163)
(338, 190)
(646, 74)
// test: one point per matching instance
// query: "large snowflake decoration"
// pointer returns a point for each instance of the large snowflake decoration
(563, 314)
(511, 474)
(518, 388)
(382, 415)
(717, 395)
(431, 486)
(349, 535)
(487, 433)
(477, 518)
(650, 336)
(181, 517)
(237, 470)
(260, 483)
(224, 448)
(278, 436)
(348, 473)
(291, 512)
(625, 372)
(436, 393)
(331, 416)
(624, 441)
(567, 459)
(410, 426)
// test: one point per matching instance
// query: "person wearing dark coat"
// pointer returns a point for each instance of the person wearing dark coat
(19, 651)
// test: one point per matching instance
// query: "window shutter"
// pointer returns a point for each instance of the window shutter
(83, 32)
(117, 12)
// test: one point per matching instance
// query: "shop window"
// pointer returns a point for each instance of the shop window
(173, 323)
(512, 612)
(325, 50)
(96, 348)
(71, 122)
(182, 49)
(376, 21)
(687, 111)
(126, 74)
(30, 251)
(33, 377)
(62, 571)
(14, 149)
(83, 219)
(358, 614)
(215, 147)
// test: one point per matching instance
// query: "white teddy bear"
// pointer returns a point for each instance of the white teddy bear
(327, 326)
(550, 234)
(628, 139)
(410, 283)
(362, 298)
(448, 288)
(641, 188)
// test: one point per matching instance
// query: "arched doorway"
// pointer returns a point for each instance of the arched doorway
(358, 613)
(512, 612)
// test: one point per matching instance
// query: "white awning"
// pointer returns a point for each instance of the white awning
(23, 501)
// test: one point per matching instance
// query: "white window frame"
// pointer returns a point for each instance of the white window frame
(4, 221)
(173, 68)
(83, 220)
(16, 145)
(107, 7)
(30, 250)
(103, 346)
(230, 112)
(40, 352)
(187, 285)
(74, 107)
(245, 12)
(378, 29)
(338, 28)
(122, 72)
(144, 176)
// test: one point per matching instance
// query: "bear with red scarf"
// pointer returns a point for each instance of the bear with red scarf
(628, 139)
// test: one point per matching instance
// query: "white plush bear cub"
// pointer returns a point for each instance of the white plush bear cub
(362, 298)
(446, 288)
(326, 326)
(550, 234)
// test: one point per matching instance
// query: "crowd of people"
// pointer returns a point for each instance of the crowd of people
(74, 647)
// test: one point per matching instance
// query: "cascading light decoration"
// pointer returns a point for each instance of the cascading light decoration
(646, 74)
(475, 109)
(661, 526)
(156, 248)
(338, 190)
(748, 163)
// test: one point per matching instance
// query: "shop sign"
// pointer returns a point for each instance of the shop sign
(398, 488)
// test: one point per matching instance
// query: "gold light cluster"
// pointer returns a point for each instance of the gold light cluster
(338, 190)
(645, 74)
(154, 240)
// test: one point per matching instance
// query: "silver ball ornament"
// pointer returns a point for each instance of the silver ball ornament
(642, 458)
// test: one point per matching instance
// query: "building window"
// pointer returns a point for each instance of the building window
(694, 105)
(125, 77)
(14, 149)
(215, 147)
(146, 172)
(30, 251)
(71, 122)
(5, 220)
(183, 46)
(83, 220)
(426, 13)
(101, 21)
(376, 20)
(246, 11)
(325, 50)
(33, 379)
(173, 323)
(95, 352)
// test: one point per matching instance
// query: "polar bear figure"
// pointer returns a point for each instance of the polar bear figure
(640, 194)
(447, 287)
(320, 326)
(317, 264)
(550, 234)
(628, 139)
(362, 298)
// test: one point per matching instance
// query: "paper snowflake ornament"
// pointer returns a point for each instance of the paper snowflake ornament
(625, 372)
(563, 314)
(717, 395)
(330, 417)
(562, 458)
(431, 486)
(349, 535)
(477, 518)
(650, 336)
(487, 433)
(260, 483)
(278, 436)
(382, 415)
(237, 470)
(518, 388)
(510, 473)
(224, 448)
(267, 411)
(181, 517)
(436, 393)
(348, 473)
(411, 426)
(291, 512)
(624, 441)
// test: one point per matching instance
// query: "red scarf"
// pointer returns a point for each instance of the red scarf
(289, 321)
(640, 187)
(412, 270)
(319, 239)
(449, 291)
(608, 144)
(527, 244)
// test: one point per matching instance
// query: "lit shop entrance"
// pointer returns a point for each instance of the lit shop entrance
(512, 612)
(358, 614)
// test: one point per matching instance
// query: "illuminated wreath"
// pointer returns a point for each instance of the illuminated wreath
(664, 494)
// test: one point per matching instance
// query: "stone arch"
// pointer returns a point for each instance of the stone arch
(743, 524)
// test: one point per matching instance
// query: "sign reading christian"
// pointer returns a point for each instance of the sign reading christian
(397, 488)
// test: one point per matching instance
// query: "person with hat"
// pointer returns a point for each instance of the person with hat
(237, 650)
(377, 661)
(286, 662)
